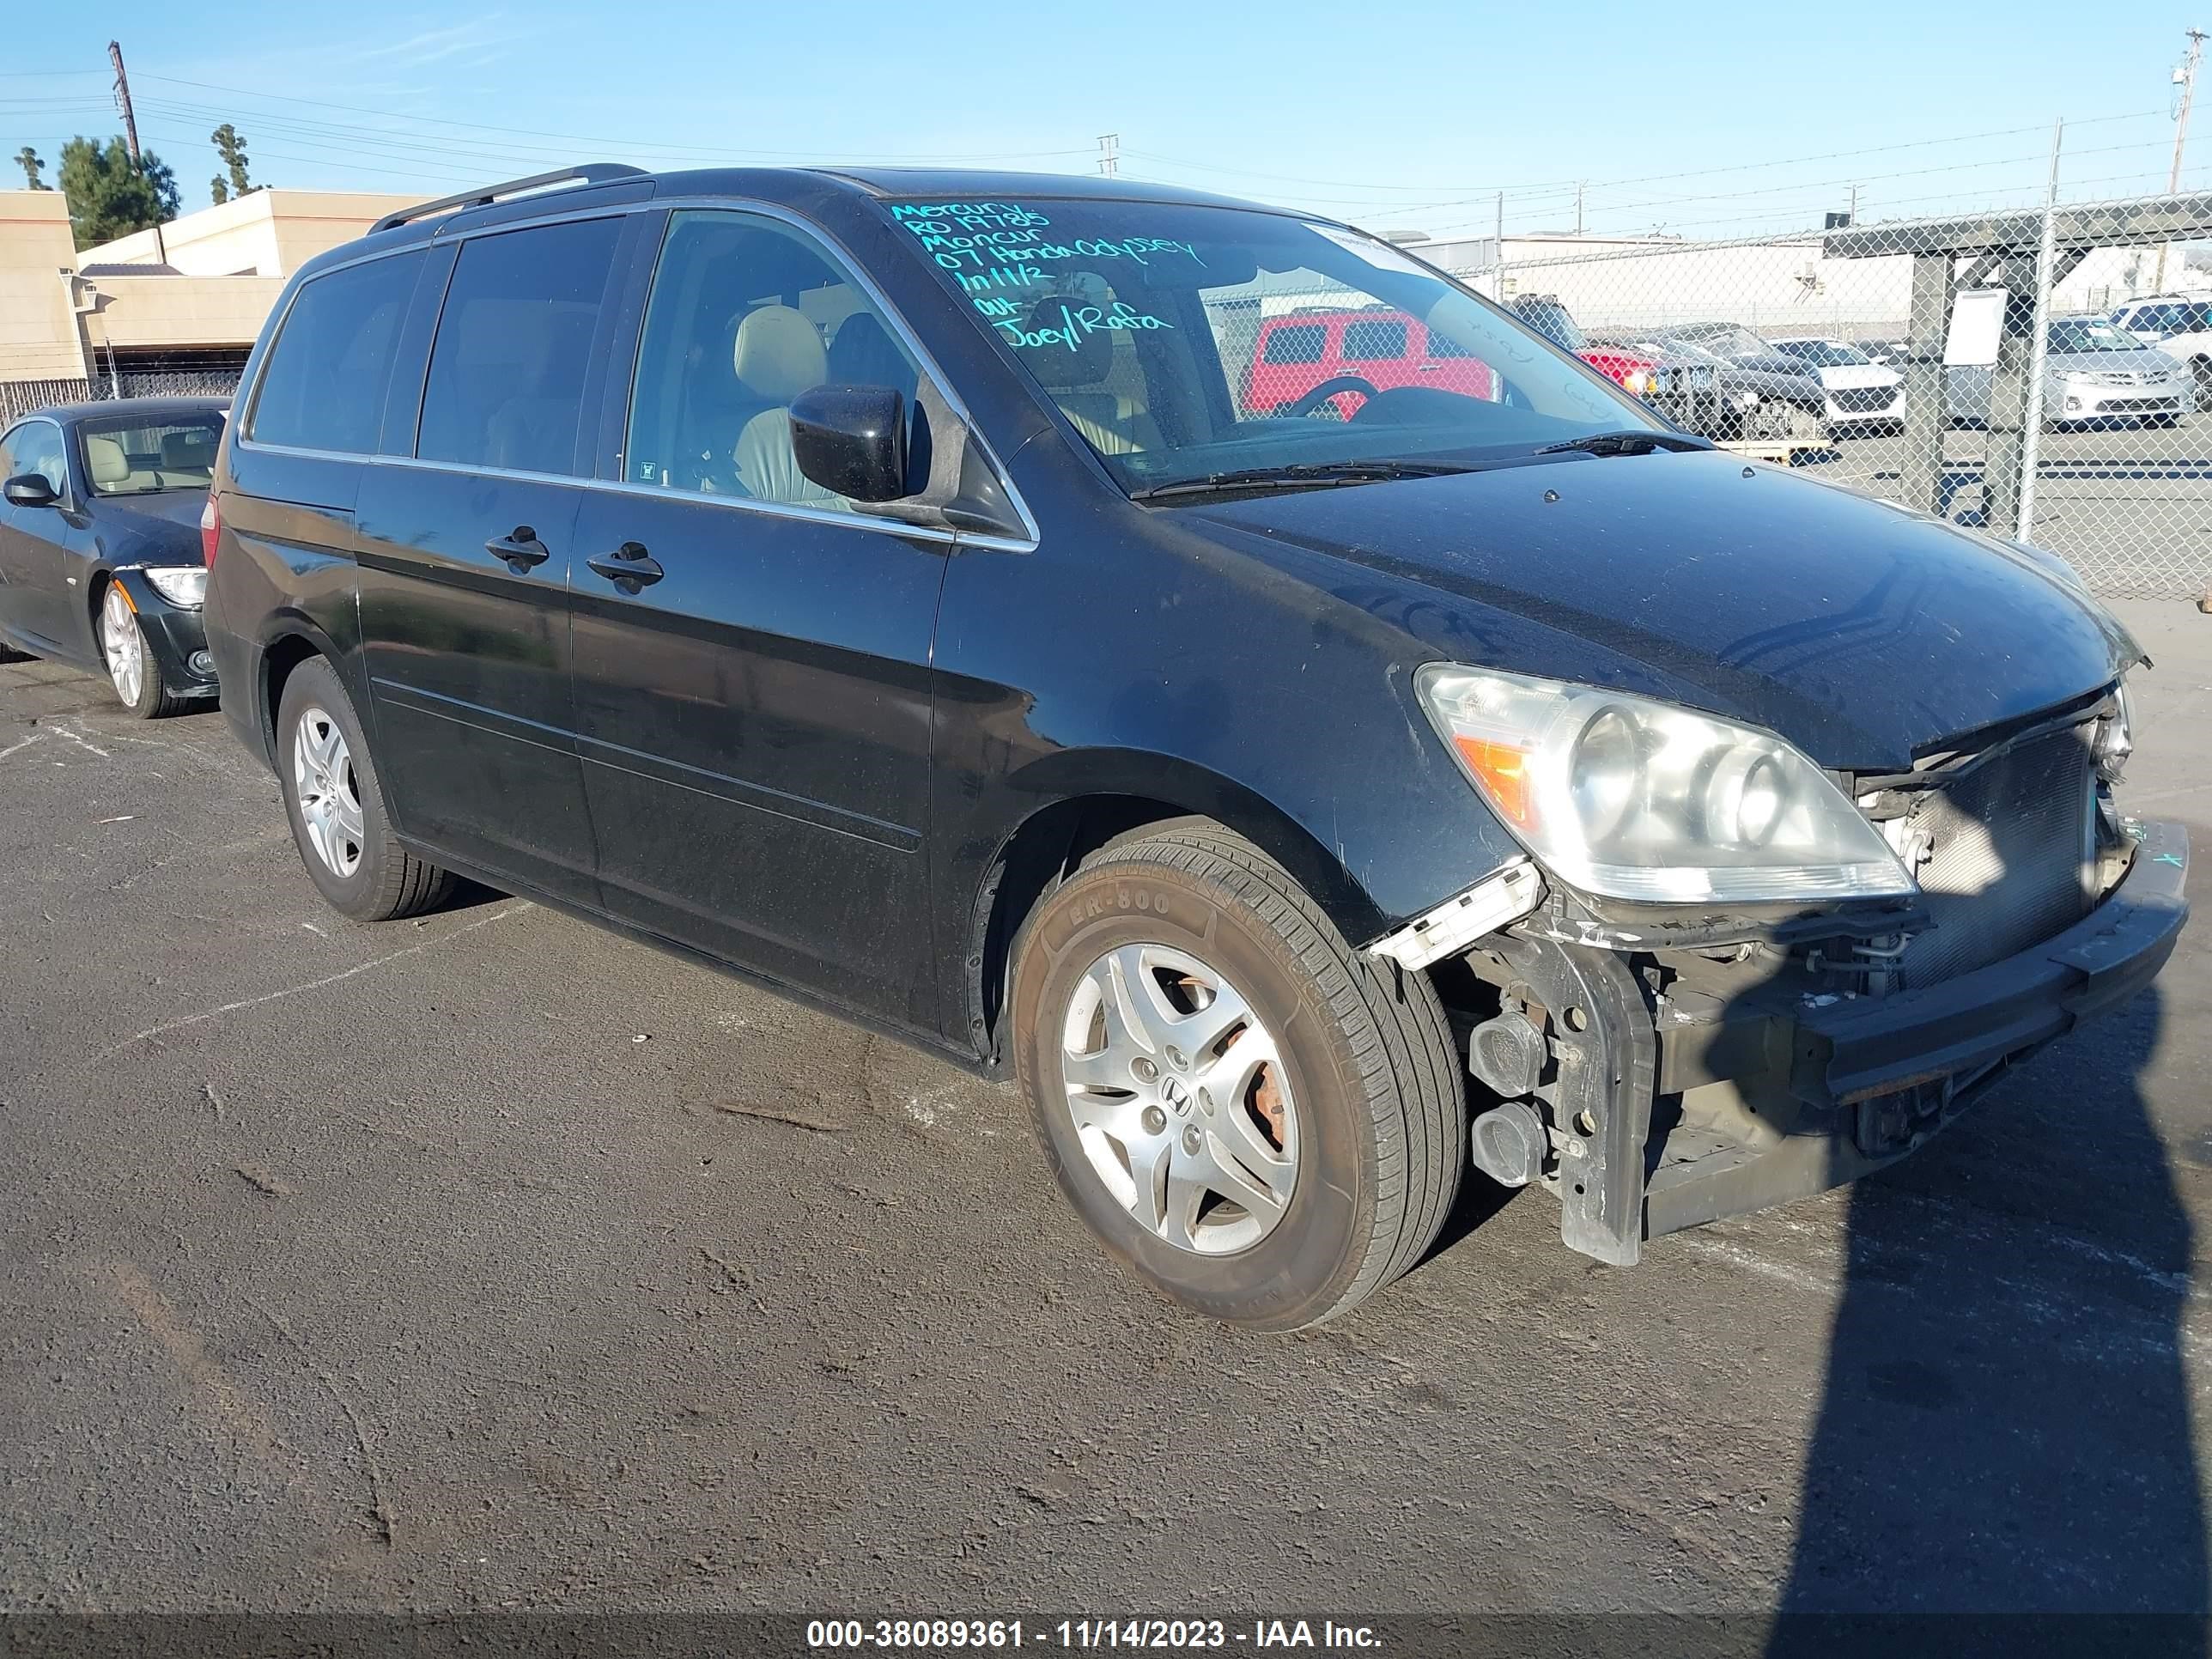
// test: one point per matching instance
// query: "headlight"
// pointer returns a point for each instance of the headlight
(2115, 737)
(180, 584)
(1747, 400)
(1629, 799)
(1641, 382)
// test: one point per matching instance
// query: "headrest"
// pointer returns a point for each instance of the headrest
(1059, 365)
(778, 353)
(189, 451)
(105, 459)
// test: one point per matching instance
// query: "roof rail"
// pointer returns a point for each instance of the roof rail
(596, 172)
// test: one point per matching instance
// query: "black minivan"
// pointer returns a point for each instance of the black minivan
(869, 582)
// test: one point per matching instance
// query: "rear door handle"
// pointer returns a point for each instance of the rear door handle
(522, 551)
(630, 566)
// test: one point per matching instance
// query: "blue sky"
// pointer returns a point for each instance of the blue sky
(1715, 122)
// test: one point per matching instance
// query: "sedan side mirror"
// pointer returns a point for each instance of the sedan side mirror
(31, 489)
(852, 440)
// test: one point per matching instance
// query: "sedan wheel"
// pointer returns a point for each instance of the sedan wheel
(323, 782)
(133, 667)
(125, 646)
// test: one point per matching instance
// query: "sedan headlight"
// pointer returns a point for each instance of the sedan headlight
(1631, 799)
(180, 584)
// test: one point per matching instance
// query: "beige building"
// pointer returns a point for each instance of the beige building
(139, 315)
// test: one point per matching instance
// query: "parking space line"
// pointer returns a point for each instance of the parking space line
(318, 984)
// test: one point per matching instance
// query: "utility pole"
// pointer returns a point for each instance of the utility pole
(1109, 154)
(2185, 78)
(1579, 210)
(1855, 206)
(131, 137)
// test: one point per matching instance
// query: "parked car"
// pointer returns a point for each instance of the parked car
(1355, 354)
(2095, 375)
(100, 563)
(1731, 404)
(1888, 354)
(870, 582)
(1863, 396)
(1732, 343)
(2180, 327)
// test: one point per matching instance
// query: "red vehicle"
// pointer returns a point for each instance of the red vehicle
(1353, 354)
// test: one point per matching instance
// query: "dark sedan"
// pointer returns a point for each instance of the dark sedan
(101, 561)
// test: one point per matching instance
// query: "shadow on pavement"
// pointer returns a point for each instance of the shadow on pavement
(2006, 1420)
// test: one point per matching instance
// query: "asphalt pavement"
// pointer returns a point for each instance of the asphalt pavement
(489, 1261)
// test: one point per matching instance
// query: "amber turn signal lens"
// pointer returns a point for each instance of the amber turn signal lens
(1503, 771)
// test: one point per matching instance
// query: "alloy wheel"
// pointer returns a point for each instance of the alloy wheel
(329, 796)
(125, 647)
(1179, 1096)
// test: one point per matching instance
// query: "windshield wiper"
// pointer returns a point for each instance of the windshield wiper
(1302, 475)
(1633, 440)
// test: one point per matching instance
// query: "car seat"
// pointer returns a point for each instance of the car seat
(110, 469)
(777, 354)
(1075, 374)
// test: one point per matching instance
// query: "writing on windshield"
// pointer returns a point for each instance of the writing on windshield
(997, 250)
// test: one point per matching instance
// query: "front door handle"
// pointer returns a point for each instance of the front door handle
(522, 551)
(630, 566)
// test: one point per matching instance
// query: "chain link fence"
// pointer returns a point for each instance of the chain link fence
(20, 397)
(1900, 359)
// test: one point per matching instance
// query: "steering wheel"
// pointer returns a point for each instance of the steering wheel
(1327, 389)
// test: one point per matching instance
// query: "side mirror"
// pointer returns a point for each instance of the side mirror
(852, 440)
(30, 489)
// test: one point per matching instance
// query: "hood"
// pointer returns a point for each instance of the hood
(2145, 362)
(1843, 376)
(1861, 632)
(156, 529)
(1795, 387)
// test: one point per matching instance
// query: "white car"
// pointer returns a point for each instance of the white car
(2178, 326)
(1862, 394)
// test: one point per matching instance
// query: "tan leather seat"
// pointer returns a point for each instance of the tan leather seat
(778, 354)
(110, 469)
(1109, 423)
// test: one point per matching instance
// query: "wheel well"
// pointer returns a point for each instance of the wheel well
(283, 656)
(1040, 855)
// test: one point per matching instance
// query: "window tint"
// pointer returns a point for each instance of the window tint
(1301, 344)
(1374, 342)
(745, 314)
(514, 343)
(323, 387)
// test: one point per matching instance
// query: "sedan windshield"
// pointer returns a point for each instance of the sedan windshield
(142, 457)
(2090, 334)
(1824, 354)
(1188, 342)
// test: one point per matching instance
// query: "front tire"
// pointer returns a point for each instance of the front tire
(1265, 1123)
(335, 805)
(133, 669)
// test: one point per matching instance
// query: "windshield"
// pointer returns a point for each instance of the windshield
(2090, 334)
(1728, 340)
(1824, 354)
(141, 457)
(1184, 342)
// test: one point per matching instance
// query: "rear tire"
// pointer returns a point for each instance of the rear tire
(1360, 1112)
(335, 805)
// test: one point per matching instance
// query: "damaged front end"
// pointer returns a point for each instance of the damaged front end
(1659, 1066)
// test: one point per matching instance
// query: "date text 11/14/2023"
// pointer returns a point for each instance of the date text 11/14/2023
(1162, 1635)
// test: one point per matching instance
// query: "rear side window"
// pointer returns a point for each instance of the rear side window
(513, 346)
(1301, 344)
(325, 384)
(1373, 342)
